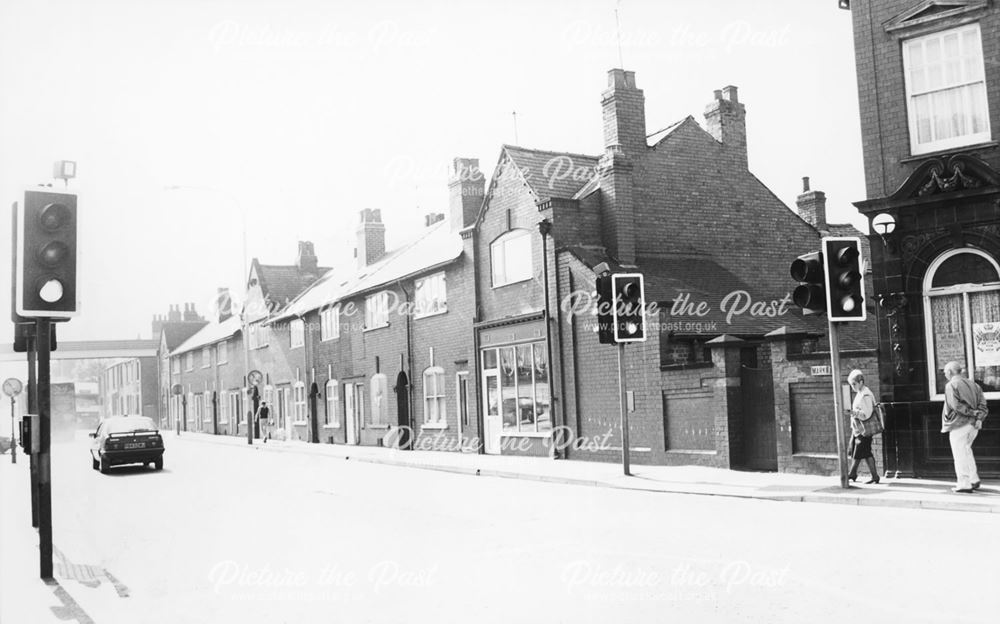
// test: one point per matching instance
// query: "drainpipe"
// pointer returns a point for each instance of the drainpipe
(545, 229)
(409, 366)
(562, 359)
(476, 364)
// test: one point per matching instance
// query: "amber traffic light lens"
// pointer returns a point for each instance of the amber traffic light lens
(53, 253)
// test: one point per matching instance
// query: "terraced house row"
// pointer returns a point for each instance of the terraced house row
(477, 335)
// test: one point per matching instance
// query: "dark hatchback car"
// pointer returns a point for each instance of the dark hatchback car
(121, 440)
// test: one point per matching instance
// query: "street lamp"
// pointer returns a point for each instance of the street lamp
(243, 281)
(884, 225)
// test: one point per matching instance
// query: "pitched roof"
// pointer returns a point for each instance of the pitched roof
(437, 245)
(553, 174)
(283, 283)
(660, 135)
(177, 332)
(209, 334)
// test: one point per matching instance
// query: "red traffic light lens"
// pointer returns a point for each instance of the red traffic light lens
(54, 216)
(630, 290)
(53, 253)
(847, 255)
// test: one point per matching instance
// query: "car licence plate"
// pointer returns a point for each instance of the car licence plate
(134, 445)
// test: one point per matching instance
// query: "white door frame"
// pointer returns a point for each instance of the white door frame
(351, 413)
(492, 425)
(459, 378)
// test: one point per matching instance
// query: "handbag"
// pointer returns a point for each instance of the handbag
(873, 425)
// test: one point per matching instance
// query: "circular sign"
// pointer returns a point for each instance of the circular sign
(255, 377)
(12, 387)
(176, 389)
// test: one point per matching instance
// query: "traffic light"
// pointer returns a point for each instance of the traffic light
(810, 294)
(45, 274)
(629, 312)
(30, 434)
(844, 279)
(605, 306)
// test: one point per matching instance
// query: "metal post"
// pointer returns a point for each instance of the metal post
(44, 461)
(544, 228)
(13, 434)
(33, 409)
(838, 409)
(624, 407)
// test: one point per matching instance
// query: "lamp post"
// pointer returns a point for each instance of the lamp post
(243, 285)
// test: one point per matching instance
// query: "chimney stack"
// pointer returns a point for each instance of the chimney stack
(371, 237)
(726, 121)
(306, 261)
(812, 207)
(624, 108)
(157, 325)
(174, 316)
(432, 218)
(189, 313)
(466, 186)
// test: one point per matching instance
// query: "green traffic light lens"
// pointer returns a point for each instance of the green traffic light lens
(631, 328)
(847, 304)
(53, 253)
(51, 291)
(54, 216)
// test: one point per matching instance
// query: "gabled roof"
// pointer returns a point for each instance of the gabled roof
(661, 135)
(436, 246)
(552, 174)
(175, 333)
(283, 283)
(209, 334)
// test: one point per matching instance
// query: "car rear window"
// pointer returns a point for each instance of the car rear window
(133, 423)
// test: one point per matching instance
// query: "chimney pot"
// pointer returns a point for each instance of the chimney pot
(718, 94)
(805, 183)
(730, 94)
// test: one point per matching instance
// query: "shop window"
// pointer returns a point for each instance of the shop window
(946, 90)
(962, 308)
(524, 389)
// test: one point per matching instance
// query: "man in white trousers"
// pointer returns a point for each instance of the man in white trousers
(962, 418)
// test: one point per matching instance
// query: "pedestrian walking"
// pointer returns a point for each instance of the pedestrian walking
(865, 424)
(962, 418)
(263, 417)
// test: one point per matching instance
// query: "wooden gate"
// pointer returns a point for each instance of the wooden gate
(760, 447)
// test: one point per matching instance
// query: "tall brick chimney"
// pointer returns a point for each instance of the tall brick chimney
(371, 237)
(307, 261)
(466, 186)
(812, 207)
(190, 314)
(174, 316)
(726, 121)
(624, 108)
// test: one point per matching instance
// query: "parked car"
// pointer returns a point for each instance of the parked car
(121, 440)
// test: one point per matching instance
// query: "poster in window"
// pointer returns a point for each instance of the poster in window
(986, 343)
(950, 347)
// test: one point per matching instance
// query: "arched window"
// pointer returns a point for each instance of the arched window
(510, 257)
(434, 403)
(332, 418)
(962, 312)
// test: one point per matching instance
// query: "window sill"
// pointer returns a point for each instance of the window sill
(295, 347)
(948, 150)
(520, 281)
(429, 315)
(300, 423)
(223, 362)
(690, 366)
(371, 329)
(330, 339)
(331, 426)
(438, 426)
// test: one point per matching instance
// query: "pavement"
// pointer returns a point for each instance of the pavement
(694, 480)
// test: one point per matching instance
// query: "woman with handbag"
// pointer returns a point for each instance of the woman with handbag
(865, 424)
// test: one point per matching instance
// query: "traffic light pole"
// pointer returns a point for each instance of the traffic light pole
(33, 409)
(624, 408)
(838, 408)
(42, 336)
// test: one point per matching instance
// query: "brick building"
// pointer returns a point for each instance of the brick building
(171, 330)
(929, 93)
(128, 387)
(206, 376)
(275, 350)
(387, 342)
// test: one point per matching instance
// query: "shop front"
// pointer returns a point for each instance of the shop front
(517, 403)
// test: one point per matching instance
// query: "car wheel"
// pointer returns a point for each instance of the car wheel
(105, 466)
(94, 463)
(158, 464)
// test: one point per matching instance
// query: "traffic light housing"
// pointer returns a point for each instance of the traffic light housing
(844, 279)
(30, 441)
(605, 305)
(629, 312)
(810, 294)
(46, 260)
(23, 332)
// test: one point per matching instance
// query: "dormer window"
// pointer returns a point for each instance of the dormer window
(946, 90)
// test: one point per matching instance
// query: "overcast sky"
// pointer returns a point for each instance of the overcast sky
(301, 113)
